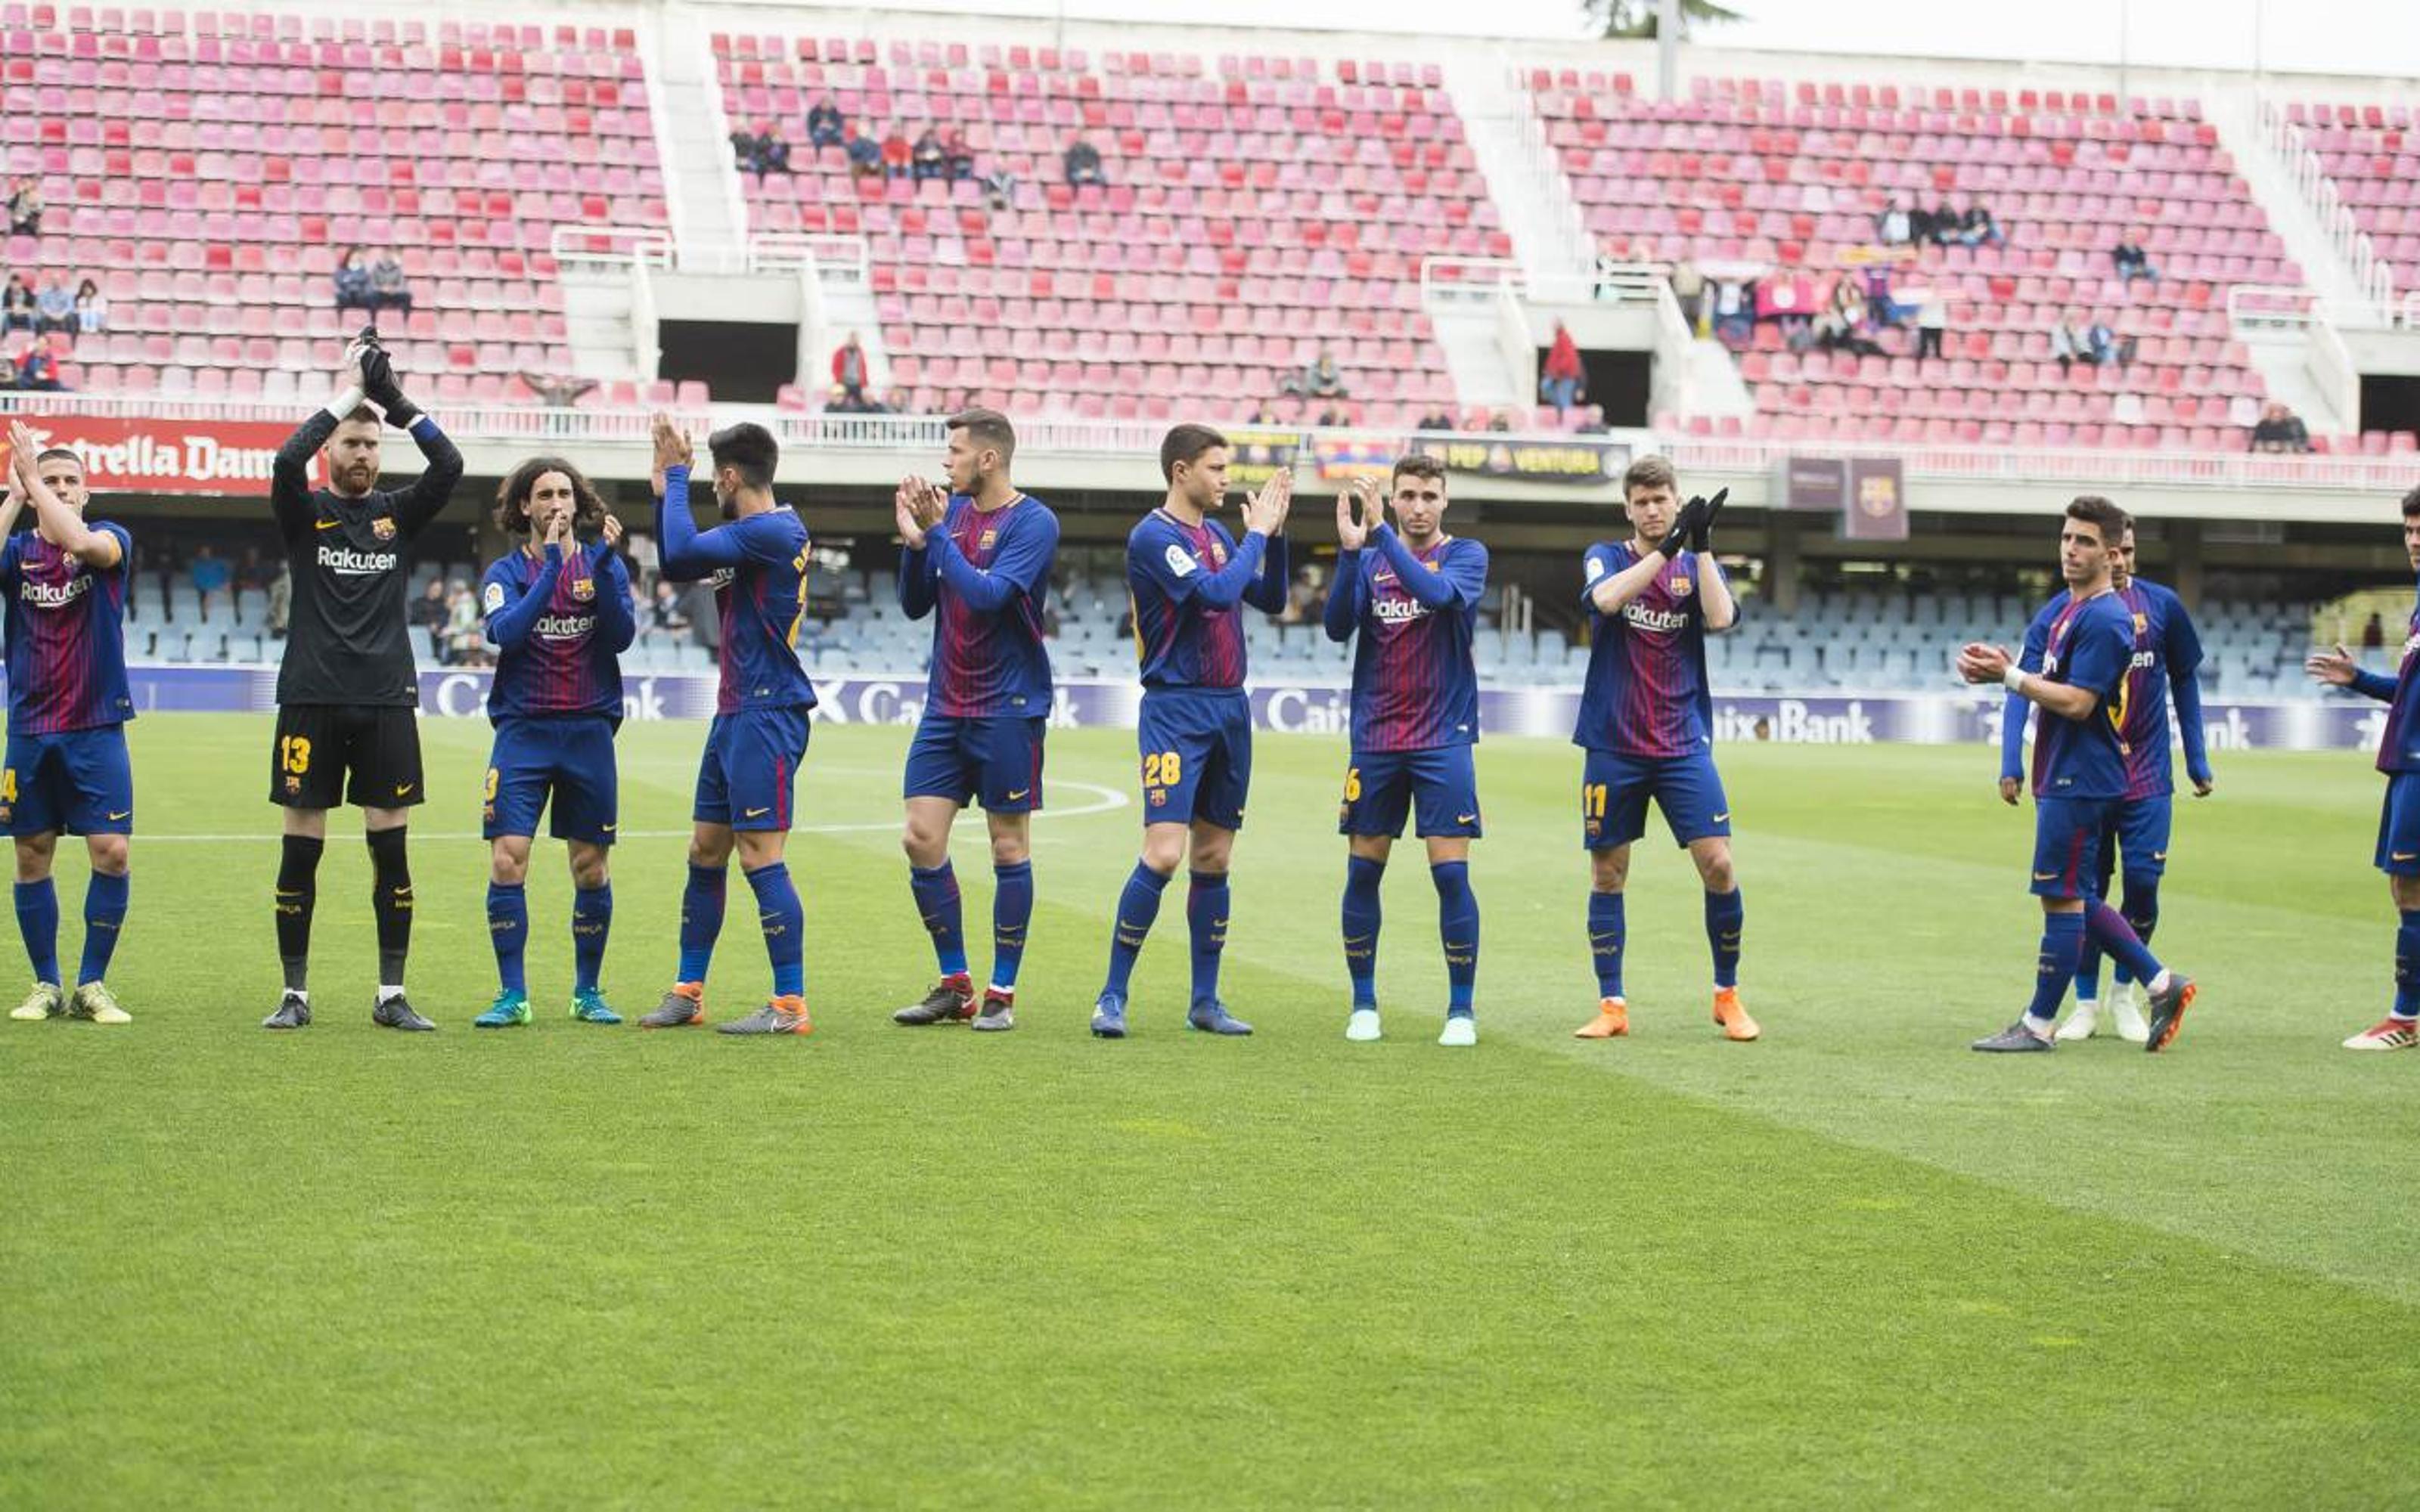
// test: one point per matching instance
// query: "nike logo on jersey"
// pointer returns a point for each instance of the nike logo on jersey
(756, 813)
(2403, 856)
(114, 818)
(1724, 817)
(1466, 819)
(1019, 793)
(328, 524)
(403, 789)
(2044, 877)
(608, 828)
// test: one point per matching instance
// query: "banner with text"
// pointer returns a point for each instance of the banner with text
(126, 454)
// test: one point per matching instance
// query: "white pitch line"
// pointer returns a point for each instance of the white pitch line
(1107, 800)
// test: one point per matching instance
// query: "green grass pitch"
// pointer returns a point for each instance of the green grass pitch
(1850, 1265)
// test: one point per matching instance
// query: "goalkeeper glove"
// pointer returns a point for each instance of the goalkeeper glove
(1685, 524)
(1701, 539)
(378, 381)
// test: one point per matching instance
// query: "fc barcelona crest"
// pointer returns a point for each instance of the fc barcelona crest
(1680, 585)
(584, 589)
(383, 527)
(1217, 555)
(985, 544)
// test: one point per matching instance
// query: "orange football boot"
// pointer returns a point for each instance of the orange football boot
(1734, 1018)
(1612, 1021)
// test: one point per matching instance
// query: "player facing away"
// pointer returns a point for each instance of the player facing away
(348, 698)
(66, 768)
(1646, 723)
(2167, 658)
(978, 559)
(2398, 818)
(2079, 776)
(1412, 594)
(1189, 581)
(560, 615)
(747, 777)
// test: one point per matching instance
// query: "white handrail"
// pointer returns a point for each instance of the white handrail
(2312, 181)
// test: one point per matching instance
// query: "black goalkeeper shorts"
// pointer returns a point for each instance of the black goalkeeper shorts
(319, 743)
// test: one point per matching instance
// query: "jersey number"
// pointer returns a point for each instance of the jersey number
(491, 784)
(7, 785)
(1162, 769)
(1352, 785)
(1592, 797)
(294, 753)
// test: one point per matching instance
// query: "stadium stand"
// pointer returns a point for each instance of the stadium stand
(2371, 153)
(1256, 211)
(1763, 172)
(207, 172)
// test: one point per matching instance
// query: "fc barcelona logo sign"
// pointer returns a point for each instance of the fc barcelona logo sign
(383, 527)
(584, 589)
(1680, 585)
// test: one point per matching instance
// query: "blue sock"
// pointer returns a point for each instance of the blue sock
(937, 902)
(2407, 963)
(701, 919)
(2062, 937)
(1458, 928)
(592, 918)
(2087, 973)
(1608, 934)
(1361, 916)
(1137, 907)
(1207, 904)
(508, 927)
(784, 921)
(1724, 913)
(38, 920)
(105, 915)
(1011, 910)
(2117, 939)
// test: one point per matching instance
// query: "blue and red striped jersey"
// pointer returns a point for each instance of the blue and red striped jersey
(989, 574)
(1187, 583)
(560, 624)
(1415, 684)
(2089, 644)
(2166, 658)
(1646, 693)
(66, 624)
(2398, 752)
(758, 568)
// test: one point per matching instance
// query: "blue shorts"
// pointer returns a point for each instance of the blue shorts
(1197, 756)
(1614, 791)
(996, 761)
(79, 781)
(2068, 844)
(2138, 827)
(570, 757)
(748, 777)
(1381, 786)
(2398, 825)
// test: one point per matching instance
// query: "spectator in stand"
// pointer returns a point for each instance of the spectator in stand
(1501, 421)
(430, 611)
(387, 290)
(2280, 430)
(1946, 224)
(898, 156)
(1436, 419)
(1975, 227)
(826, 126)
(39, 370)
(25, 208)
(2132, 260)
(743, 152)
(1881, 309)
(91, 308)
(18, 305)
(1892, 225)
(1849, 300)
(2100, 342)
(1689, 290)
(555, 392)
(773, 154)
(958, 156)
(55, 307)
(1919, 225)
(929, 159)
(850, 375)
(999, 188)
(1083, 161)
(664, 609)
(210, 574)
(864, 156)
(2373, 635)
(1836, 330)
(463, 632)
(1320, 380)
(253, 574)
(1735, 312)
(354, 282)
(1931, 322)
(2066, 342)
(1564, 375)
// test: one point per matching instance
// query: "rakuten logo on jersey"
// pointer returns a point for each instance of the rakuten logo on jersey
(53, 595)
(1666, 619)
(345, 562)
(1398, 611)
(566, 626)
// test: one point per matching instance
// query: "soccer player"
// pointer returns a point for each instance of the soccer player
(68, 707)
(348, 698)
(1413, 596)
(1189, 580)
(560, 615)
(981, 556)
(2079, 776)
(2167, 656)
(746, 778)
(1646, 721)
(2398, 819)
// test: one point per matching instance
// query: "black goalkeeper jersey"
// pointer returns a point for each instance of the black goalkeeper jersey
(346, 639)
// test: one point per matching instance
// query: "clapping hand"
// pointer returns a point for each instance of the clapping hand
(1357, 513)
(671, 448)
(916, 508)
(1266, 510)
(2336, 668)
(1980, 663)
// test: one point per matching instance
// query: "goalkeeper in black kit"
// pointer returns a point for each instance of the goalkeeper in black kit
(348, 698)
